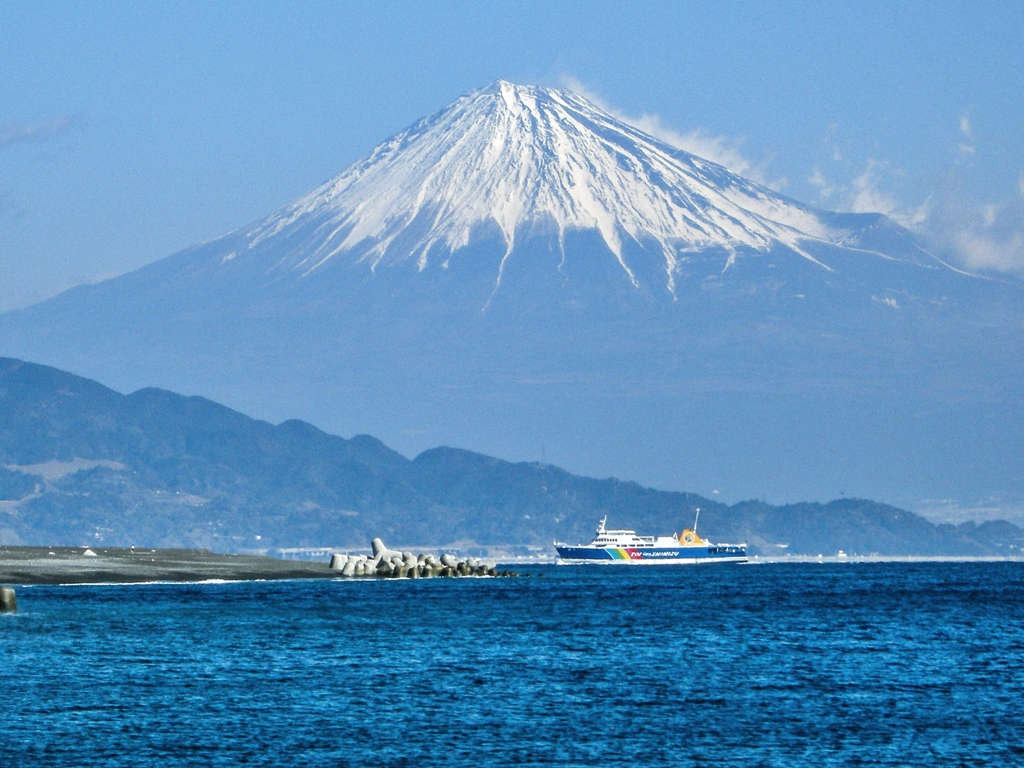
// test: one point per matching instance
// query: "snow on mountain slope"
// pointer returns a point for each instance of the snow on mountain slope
(525, 159)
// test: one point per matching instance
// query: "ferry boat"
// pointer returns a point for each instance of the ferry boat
(614, 546)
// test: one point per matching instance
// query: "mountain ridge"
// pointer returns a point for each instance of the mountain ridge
(81, 464)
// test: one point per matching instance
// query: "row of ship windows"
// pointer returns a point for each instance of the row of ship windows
(631, 546)
(711, 550)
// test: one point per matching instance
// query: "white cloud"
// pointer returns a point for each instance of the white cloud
(990, 213)
(981, 251)
(817, 179)
(980, 236)
(867, 194)
(15, 133)
(983, 236)
(965, 126)
(967, 130)
(870, 192)
(718, 149)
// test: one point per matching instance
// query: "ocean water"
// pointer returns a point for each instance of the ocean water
(762, 665)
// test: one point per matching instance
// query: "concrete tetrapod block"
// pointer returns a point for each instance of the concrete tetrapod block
(338, 562)
(382, 553)
(390, 563)
(8, 600)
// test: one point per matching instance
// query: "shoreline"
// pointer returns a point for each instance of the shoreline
(30, 566)
(56, 566)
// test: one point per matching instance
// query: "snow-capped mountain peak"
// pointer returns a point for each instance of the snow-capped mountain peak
(524, 157)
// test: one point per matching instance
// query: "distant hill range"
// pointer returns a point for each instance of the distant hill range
(82, 464)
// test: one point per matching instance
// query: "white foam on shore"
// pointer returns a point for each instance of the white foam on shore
(154, 582)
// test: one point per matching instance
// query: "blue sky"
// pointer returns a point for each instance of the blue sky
(130, 131)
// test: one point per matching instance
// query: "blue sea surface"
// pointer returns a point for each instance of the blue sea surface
(775, 665)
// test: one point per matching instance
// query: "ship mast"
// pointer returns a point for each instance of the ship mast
(695, 519)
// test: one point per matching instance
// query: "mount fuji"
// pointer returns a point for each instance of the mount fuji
(521, 161)
(522, 274)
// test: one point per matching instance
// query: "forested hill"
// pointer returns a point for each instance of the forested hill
(83, 464)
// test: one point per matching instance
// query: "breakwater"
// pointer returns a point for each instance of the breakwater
(395, 564)
(82, 565)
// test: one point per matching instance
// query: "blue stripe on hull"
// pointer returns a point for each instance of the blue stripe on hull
(652, 556)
